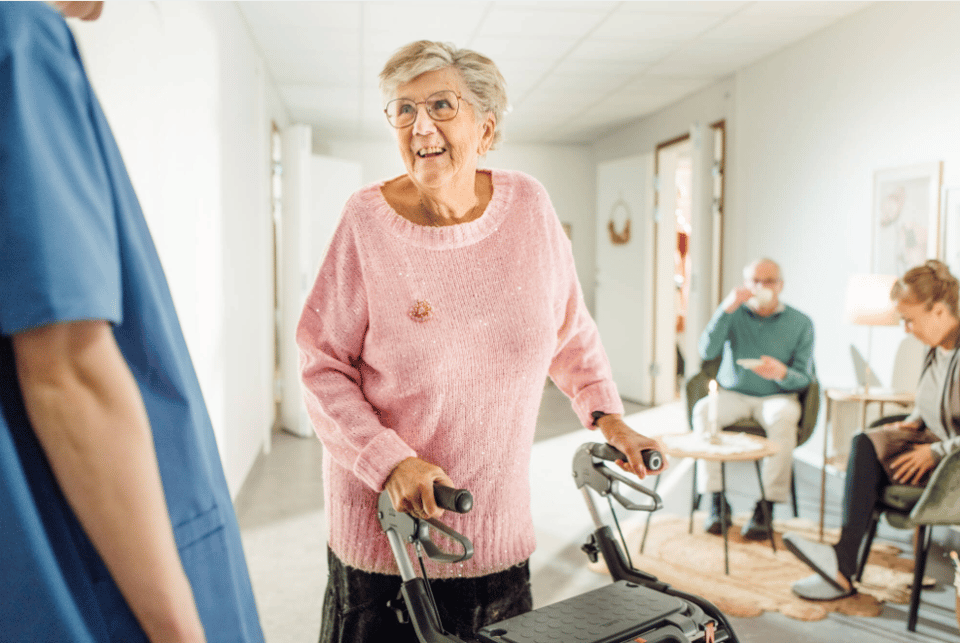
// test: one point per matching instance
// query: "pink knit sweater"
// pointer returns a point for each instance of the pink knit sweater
(435, 343)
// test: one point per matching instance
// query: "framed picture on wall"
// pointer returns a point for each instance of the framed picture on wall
(950, 228)
(906, 216)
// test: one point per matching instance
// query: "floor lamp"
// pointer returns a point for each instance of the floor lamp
(868, 304)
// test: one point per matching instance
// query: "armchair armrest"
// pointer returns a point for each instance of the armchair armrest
(940, 502)
(809, 410)
(696, 387)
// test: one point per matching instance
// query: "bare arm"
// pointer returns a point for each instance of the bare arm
(88, 415)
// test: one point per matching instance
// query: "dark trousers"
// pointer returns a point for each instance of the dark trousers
(865, 482)
(355, 606)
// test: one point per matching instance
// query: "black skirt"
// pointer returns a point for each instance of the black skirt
(355, 608)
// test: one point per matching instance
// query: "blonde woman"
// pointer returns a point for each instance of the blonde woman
(902, 452)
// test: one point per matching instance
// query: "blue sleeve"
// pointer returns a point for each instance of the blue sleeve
(59, 257)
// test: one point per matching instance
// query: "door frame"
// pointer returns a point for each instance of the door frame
(660, 261)
(708, 157)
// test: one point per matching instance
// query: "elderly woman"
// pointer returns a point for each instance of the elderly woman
(902, 452)
(447, 296)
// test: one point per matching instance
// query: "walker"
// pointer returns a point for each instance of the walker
(635, 608)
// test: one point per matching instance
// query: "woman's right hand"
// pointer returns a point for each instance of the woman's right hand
(903, 425)
(410, 486)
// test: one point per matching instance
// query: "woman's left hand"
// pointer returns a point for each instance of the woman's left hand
(910, 467)
(618, 434)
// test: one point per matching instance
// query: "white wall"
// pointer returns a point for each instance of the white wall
(707, 106)
(567, 172)
(190, 105)
(807, 128)
(878, 90)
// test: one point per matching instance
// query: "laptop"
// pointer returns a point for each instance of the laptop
(861, 372)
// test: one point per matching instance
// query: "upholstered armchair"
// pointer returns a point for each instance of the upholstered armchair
(917, 508)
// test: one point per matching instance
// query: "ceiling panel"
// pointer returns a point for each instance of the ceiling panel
(708, 60)
(692, 7)
(624, 51)
(505, 48)
(636, 25)
(746, 29)
(511, 21)
(573, 69)
(788, 8)
(430, 17)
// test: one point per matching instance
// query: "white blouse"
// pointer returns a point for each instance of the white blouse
(930, 394)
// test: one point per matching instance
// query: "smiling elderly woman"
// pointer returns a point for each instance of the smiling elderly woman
(446, 297)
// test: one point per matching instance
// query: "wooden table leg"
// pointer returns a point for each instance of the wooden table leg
(723, 516)
(693, 496)
(823, 467)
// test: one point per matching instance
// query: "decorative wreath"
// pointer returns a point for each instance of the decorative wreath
(623, 236)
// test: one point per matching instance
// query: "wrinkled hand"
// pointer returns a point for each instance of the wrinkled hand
(410, 486)
(910, 467)
(771, 368)
(903, 425)
(736, 298)
(631, 443)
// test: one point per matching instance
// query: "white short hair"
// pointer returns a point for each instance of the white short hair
(481, 78)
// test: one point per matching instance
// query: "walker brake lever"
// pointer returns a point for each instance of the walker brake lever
(413, 530)
(431, 548)
(589, 470)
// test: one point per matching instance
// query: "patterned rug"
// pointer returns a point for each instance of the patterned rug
(759, 579)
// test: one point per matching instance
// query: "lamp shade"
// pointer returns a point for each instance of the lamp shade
(868, 301)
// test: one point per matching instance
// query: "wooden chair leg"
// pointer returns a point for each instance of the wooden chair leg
(793, 491)
(694, 496)
(919, 567)
(867, 544)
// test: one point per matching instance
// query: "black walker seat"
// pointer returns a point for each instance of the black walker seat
(635, 607)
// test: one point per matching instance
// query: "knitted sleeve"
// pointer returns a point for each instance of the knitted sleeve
(800, 365)
(330, 336)
(580, 367)
(715, 334)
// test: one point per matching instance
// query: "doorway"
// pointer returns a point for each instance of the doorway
(673, 202)
(688, 206)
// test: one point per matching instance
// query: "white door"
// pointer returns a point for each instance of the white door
(624, 279)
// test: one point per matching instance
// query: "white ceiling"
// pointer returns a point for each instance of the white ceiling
(574, 70)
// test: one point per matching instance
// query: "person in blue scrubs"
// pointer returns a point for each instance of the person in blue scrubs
(115, 519)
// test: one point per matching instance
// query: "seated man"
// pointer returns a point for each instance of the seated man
(752, 323)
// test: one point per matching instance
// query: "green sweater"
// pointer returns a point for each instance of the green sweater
(786, 335)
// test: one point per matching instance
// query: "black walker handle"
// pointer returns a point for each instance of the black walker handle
(652, 459)
(458, 500)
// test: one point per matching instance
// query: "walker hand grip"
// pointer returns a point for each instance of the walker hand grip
(458, 500)
(652, 459)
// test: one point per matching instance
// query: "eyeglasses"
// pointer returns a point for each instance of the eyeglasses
(763, 282)
(441, 106)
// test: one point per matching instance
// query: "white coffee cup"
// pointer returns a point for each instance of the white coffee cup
(761, 297)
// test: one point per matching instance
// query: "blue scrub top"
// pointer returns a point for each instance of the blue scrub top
(74, 245)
